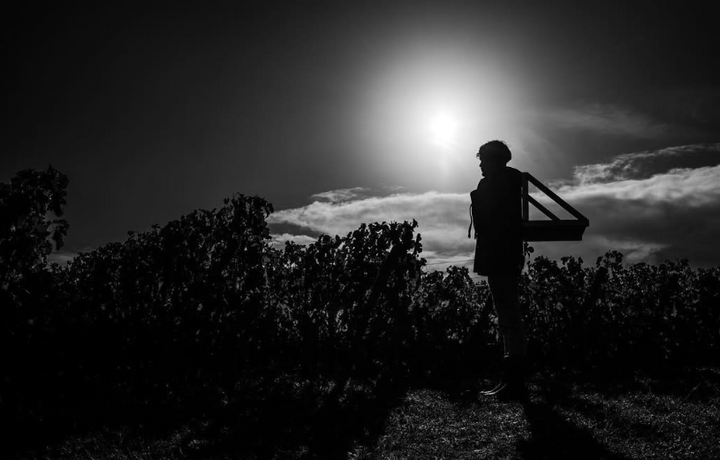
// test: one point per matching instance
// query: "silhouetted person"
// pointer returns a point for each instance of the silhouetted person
(499, 255)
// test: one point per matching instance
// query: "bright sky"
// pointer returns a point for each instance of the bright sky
(341, 113)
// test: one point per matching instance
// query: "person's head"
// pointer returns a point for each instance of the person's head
(493, 155)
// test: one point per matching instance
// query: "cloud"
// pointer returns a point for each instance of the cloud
(657, 205)
(644, 165)
(443, 219)
(607, 119)
(278, 241)
(340, 195)
(651, 205)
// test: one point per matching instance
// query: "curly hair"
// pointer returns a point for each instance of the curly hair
(496, 150)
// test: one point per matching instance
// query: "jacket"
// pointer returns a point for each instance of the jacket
(497, 216)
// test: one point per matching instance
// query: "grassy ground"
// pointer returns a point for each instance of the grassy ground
(667, 418)
(574, 421)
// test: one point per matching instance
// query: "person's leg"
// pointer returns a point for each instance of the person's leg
(504, 290)
(505, 295)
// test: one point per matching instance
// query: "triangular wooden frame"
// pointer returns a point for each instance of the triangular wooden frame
(554, 229)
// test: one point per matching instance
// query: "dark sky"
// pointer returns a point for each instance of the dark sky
(154, 112)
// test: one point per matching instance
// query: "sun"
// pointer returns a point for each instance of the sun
(443, 127)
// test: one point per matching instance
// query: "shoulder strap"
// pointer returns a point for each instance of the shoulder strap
(473, 200)
(471, 222)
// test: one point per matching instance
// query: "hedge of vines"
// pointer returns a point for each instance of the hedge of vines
(189, 311)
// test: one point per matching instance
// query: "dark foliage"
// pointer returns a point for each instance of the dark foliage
(186, 314)
(625, 318)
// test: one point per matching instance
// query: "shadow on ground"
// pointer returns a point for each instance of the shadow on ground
(552, 436)
(293, 417)
(550, 433)
(270, 418)
(308, 422)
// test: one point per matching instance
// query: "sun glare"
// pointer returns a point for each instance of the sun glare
(443, 128)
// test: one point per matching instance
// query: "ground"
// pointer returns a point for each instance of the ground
(566, 417)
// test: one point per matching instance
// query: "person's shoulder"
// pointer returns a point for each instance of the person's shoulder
(512, 171)
(511, 175)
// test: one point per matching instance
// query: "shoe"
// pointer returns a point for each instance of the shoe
(512, 386)
(494, 390)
